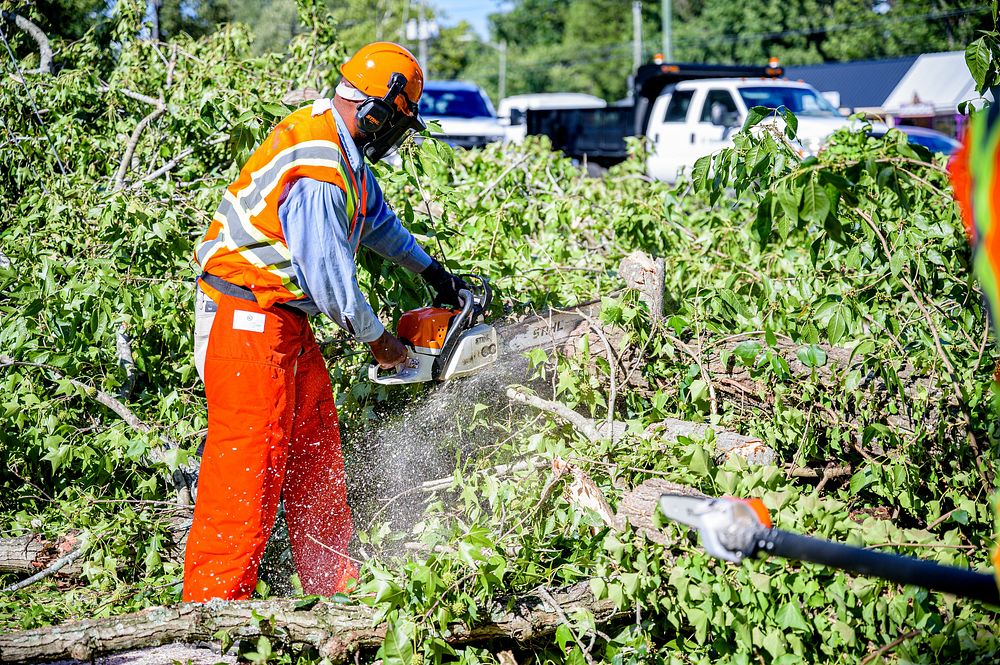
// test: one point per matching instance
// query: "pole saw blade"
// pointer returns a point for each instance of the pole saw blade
(734, 529)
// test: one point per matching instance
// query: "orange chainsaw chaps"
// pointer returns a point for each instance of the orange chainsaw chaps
(272, 431)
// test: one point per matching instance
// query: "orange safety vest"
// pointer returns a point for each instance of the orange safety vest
(245, 244)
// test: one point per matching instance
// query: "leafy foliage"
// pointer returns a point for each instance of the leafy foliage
(857, 248)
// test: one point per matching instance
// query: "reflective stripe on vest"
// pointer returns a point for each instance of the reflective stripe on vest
(245, 238)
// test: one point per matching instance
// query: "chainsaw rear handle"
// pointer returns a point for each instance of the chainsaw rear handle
(893, 567)
(454, 331)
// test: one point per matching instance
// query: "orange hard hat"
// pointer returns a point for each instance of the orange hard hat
(370, 69)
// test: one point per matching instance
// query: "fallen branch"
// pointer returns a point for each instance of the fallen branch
(580, 423)
(336, 631)
(44, 49)
(727, 442)
(177, 159)
(133, 142)
(52, 569)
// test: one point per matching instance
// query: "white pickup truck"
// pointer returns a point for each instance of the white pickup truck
(687, 111)
(697, 118)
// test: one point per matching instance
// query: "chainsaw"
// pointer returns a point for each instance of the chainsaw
(444, 344)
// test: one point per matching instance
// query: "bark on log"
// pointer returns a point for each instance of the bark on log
(337, 631)
(30, 554)
(637, 506)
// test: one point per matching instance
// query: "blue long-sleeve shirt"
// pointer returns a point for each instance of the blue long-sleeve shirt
(317, 230)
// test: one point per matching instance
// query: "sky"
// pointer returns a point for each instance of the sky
(473, 11)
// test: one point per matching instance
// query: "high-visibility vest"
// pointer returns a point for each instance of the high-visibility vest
(245, 244)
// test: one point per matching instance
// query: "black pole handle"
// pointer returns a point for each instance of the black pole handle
(894, 567)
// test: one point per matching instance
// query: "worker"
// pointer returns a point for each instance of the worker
(280, 247)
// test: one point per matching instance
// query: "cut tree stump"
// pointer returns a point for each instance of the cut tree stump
(337, 631)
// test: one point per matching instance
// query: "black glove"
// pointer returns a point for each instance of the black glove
(444, 284)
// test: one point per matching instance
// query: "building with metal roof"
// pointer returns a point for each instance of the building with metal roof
(923, 90)
(862, 84)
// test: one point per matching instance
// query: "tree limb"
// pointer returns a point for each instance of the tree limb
(580, 423)
(29, 553)
(44, 49)
(336, 630)
(134, 141)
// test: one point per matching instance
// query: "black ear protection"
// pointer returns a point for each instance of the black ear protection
(374, 114)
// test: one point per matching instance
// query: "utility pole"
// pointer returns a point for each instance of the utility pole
(502, 87)
(422, 34)
(666, 24)
(636, 34)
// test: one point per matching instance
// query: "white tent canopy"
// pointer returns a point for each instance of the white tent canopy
(934, 85)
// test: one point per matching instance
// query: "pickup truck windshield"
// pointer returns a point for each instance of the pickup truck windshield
(800, 101)
(454, 104)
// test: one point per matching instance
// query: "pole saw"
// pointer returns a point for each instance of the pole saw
(733, 529)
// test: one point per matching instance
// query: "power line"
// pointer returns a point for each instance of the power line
(31, 98)
(763, 36)
(597, 53)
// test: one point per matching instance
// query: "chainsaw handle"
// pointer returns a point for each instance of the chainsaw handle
(894, 567)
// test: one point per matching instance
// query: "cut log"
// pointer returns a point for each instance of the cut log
(637, 506)
(31, 553)
(646, 275)
(337, 631)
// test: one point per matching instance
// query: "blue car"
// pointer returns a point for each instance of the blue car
(931, 139)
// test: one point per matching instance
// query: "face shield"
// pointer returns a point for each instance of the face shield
(386, 140)
(382, 122)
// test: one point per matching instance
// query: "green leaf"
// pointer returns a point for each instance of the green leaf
(838, 324)
(306, 603)
(790, 617)
(861, 479)
(397, 648)
(747, 352)
(791, 123)
(815, 202)
(979, 60)
(699, 172)
(756, 115)
(789, 197)
(762, 223)
(811, 355)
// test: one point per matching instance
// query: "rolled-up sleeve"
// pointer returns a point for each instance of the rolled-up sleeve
(384, 234)
(314, 219)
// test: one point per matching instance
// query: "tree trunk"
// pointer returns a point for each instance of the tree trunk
(337, 631)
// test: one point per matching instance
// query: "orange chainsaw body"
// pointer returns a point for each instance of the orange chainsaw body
(426, 327)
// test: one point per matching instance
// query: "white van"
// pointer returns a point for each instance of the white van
(511, 110)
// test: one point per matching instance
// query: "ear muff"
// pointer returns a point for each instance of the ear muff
(373, 115)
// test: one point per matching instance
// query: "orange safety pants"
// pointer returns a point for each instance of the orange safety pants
(272, 434)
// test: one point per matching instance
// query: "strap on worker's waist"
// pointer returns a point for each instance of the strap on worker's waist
(237, 291)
